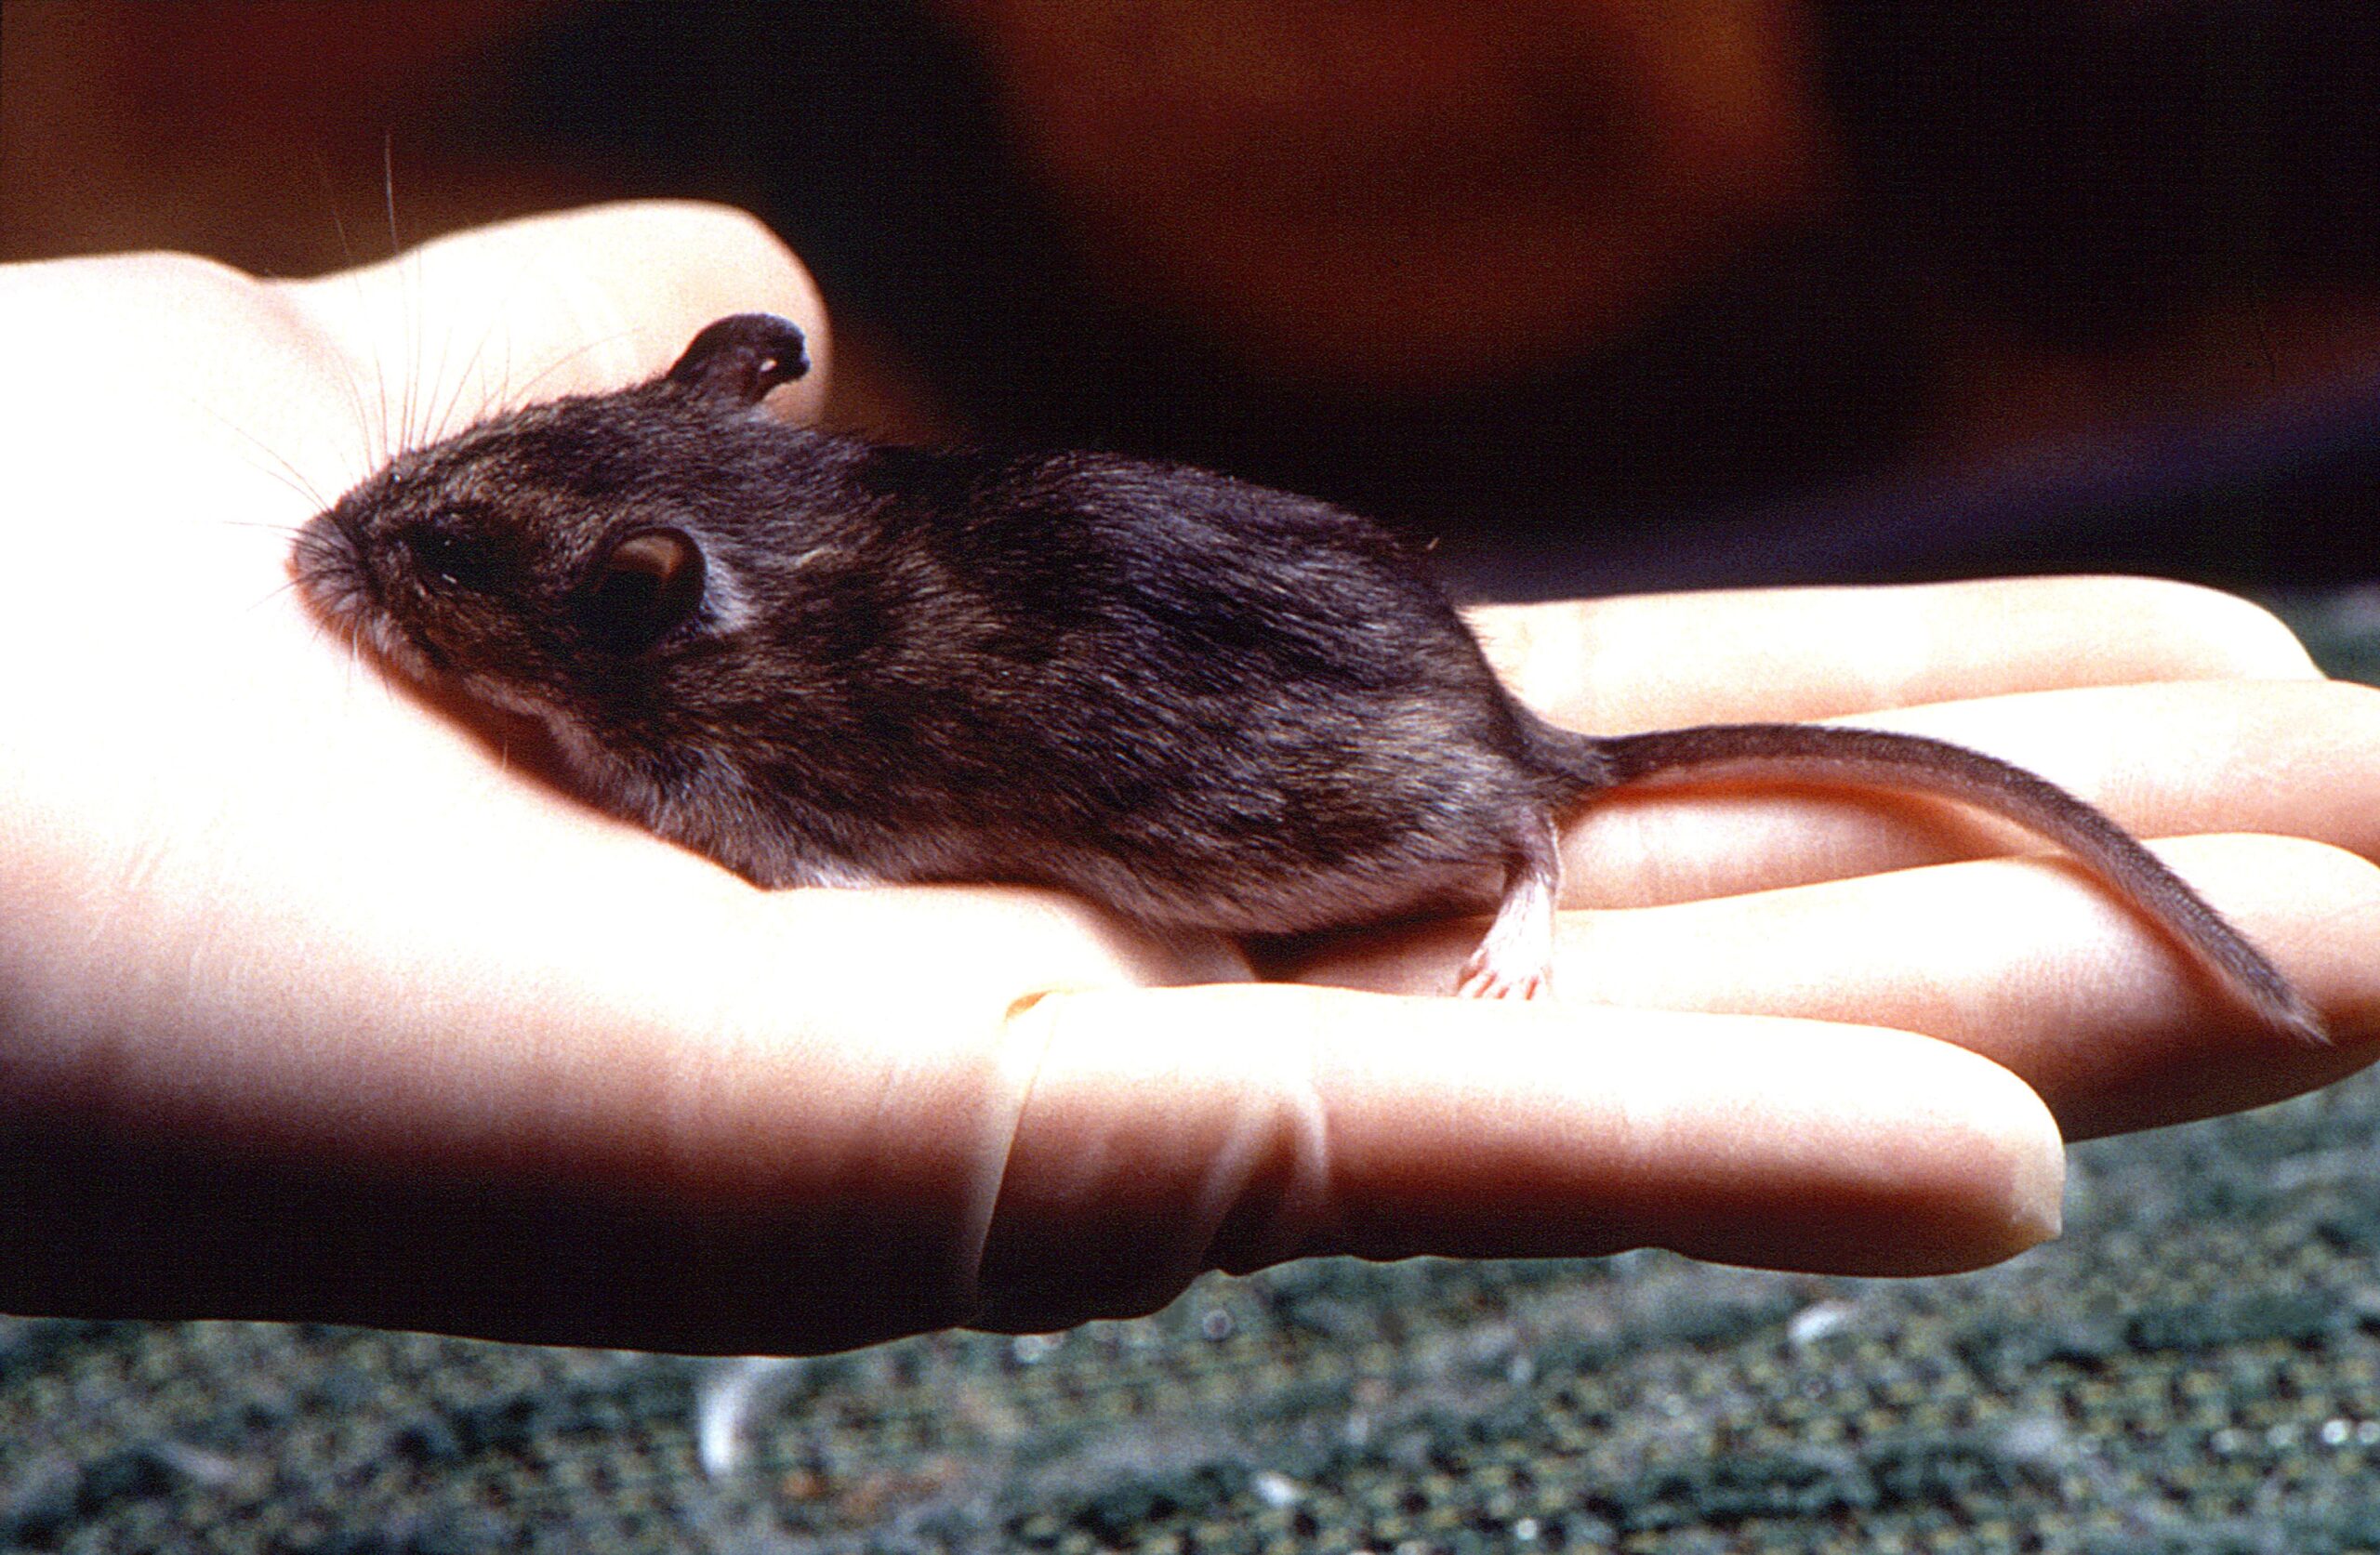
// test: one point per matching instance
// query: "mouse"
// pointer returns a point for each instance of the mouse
(1199, 702)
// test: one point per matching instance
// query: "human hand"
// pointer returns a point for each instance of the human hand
(2187, 714)
(315, 1004)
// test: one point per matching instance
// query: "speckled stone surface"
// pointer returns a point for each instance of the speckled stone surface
(2194, 1369)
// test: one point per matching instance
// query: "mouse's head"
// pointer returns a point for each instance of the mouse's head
(553, 560)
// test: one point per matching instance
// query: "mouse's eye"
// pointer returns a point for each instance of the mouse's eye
(467, 560)
(643, 584)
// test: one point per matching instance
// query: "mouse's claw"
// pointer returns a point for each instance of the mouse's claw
(1485, 977)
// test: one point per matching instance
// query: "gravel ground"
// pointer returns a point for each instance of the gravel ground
(2194, 1368)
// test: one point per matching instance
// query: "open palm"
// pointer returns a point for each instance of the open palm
(316, 1000)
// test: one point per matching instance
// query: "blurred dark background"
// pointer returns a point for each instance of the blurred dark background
(1595, 296)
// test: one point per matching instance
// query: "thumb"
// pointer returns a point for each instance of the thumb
(577, 301)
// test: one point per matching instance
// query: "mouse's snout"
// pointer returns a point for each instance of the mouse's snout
(326, 563)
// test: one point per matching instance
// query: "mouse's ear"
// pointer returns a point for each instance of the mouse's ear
(743, 356)
(644, 584)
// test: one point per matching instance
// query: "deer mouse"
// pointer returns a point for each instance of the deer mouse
(1202, 702)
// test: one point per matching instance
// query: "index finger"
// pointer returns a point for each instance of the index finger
(1658, 660)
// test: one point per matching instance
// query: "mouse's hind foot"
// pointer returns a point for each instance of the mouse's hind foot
(1515, 961)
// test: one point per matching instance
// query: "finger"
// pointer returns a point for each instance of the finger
(578, 302)
(1172, 1132)
(1656, 660)
(2025, 961)
(2177, 758)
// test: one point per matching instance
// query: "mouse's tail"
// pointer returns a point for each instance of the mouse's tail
(1833, 755)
